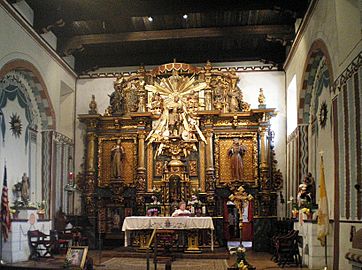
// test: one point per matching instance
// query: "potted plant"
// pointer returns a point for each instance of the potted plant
(14, 212)
(41, 210)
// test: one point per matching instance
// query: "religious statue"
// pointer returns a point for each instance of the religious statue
(157, 103)
(117, 157)
(234, 103)
(116, 98)
(93, 106)
(25, 194)
(308, 191)
(116, 220)
(176, 120)
(236, 154)
(261, 98)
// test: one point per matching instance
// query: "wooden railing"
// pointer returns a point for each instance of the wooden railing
(148, 248)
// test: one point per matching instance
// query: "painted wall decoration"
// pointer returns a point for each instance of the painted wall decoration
(349, 121)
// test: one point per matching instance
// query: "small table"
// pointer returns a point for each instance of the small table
(172, 223)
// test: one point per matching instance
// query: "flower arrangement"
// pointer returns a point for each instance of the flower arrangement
(195, 202)
(41, 207)
(152, 212)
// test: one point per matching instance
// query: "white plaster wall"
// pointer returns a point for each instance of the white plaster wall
(274, 91)
(16, 43)
(327, 17)
(338, 24)
(101, 88)
(322, 25)
(344, 243)
(348, 27)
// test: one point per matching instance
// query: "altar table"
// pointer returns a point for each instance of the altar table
(174, 223)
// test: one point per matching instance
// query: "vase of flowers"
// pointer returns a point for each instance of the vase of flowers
(41, 210)
(195, 205)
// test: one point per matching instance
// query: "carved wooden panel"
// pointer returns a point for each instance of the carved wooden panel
(104, 160)
(223, 164)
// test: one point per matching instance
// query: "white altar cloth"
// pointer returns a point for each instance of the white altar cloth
(174, 223)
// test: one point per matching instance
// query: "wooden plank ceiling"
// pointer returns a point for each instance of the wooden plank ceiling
(114, 33)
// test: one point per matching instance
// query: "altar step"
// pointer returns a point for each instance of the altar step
(218, 253)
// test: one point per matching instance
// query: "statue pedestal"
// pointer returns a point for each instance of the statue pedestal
(312, 252)
(26, 213)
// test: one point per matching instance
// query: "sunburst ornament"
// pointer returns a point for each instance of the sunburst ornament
(323, 114)
(176, 116)
(15, 124)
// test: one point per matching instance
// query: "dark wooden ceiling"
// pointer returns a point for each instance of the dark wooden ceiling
(113, 33)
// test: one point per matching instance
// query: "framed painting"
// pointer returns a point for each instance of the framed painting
(76, 257)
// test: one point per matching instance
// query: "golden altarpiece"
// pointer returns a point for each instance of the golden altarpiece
(173, 129)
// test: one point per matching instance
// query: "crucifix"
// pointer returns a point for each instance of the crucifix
(240, 198)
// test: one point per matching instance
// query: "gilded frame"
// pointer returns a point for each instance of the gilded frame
(220, 156)
(130, 145)
(76, 256)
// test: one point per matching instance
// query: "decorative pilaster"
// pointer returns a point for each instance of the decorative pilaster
(208, 90)
(90, 177)
(264, 167)
(141, 172)
(210, 172)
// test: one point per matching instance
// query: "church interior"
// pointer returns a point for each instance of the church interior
(142, 134)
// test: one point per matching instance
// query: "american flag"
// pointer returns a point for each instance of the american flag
(5, 211)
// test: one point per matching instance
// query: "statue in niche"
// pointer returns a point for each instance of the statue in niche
(25, 185)
(117, 157)
(236, 154)
(116, 99)
(174, 120)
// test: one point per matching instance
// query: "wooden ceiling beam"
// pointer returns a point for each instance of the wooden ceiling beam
(89, 62)
(85, 10)
(78, 42)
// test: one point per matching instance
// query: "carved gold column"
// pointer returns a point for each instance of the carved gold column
(210, 178)
(208, 90)
(90, 178)
(142, 94)
(141, 172)
(264, 164)
(210, 171)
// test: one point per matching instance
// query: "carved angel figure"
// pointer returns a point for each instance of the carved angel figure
(176, 118)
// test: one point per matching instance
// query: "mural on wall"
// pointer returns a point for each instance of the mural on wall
(347, 106)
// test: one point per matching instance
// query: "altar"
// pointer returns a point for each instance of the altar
(174, 223)
(171, 134)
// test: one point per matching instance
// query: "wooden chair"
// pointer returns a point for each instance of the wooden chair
(60, 242)
(40, 245)
(287, 250)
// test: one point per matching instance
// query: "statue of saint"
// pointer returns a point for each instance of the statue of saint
(117, 157)
(174, 117)
(25, 194)
(116, 98)
(236, 154)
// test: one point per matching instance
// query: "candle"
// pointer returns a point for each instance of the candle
(192, 210)
(204, 210)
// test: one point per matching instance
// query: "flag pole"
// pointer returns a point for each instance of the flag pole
(325, 253)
